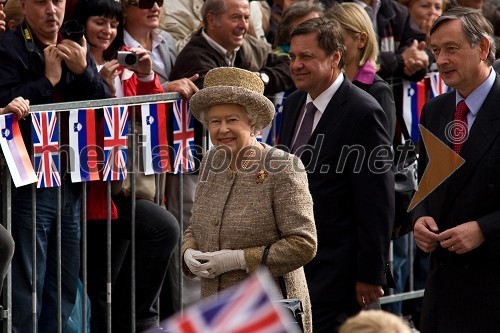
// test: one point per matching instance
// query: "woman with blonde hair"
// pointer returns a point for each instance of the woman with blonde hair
(361, 56)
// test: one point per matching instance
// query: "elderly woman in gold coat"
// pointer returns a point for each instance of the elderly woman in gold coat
(250, 196)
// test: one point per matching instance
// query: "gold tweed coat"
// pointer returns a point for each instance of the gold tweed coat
(270, 205)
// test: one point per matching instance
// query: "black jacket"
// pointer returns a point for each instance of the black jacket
(22, 73)
(353, 206)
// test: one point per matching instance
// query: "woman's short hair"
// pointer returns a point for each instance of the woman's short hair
(106, 8)
(354, 20)
(375, 321)
(295, 11)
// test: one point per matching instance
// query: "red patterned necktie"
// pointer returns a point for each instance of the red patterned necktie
(460, 127)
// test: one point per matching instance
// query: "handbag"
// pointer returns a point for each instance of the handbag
(293, 305)
(405, 183)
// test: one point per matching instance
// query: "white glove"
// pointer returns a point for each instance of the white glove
(222, 261)
(193, 264)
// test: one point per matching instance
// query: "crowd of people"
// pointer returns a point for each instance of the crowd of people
(317, 209)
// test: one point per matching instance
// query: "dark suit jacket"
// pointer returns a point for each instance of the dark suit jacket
(353, 205)
(462, 291)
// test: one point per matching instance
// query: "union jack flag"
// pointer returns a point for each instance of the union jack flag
(115, 142)
(183, 125)
(245, 308)
(46, 148)
(437, 84)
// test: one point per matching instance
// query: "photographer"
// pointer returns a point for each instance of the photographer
(40, 65)
(127, 73)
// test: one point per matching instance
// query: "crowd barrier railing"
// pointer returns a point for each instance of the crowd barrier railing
(6, 315)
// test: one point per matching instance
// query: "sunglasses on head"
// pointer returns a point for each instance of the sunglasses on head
(148, 4)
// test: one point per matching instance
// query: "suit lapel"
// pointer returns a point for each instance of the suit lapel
(329, 119)
(484, 131)
(291, 112)
(332, 113)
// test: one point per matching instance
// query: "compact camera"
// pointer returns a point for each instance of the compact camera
(127, 58)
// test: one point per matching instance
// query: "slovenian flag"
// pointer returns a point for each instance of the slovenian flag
(279, 103)
(154, 139)
(15, 152)
(82, 140)
(45, 136)
(414, 98)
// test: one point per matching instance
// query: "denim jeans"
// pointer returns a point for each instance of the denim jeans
(46, 256)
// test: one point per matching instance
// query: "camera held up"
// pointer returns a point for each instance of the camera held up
(127, 58)
(73, 30)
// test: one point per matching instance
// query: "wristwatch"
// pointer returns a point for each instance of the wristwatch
(264, 77)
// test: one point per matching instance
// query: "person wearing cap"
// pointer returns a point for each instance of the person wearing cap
(249, 196)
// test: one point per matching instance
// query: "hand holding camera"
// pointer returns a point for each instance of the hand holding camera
(137, 60)
(109, 72)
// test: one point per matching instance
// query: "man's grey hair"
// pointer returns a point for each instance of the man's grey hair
(474, 25)
(214, 7)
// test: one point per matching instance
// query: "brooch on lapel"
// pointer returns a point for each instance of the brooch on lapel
(260, 176)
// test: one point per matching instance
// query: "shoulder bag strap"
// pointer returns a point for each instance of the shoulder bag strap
(280, 279)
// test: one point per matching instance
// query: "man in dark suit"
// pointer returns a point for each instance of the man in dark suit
(459, 222)
(352, 188)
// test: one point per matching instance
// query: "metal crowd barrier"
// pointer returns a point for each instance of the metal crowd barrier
(6, 186)
(6, 315)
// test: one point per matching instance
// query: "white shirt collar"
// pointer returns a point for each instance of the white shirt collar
(131, 42)
(229, 56)
(321, 102)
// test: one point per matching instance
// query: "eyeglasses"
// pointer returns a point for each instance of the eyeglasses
(148, 4)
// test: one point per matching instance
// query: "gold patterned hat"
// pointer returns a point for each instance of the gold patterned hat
(231, 85)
